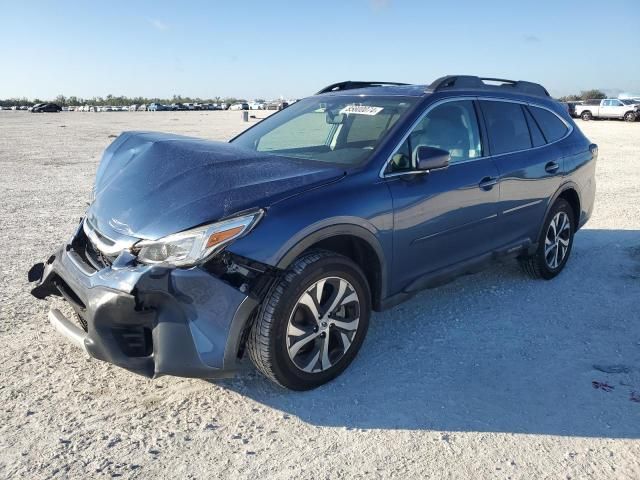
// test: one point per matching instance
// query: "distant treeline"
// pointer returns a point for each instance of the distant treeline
(122, 100)
(116, 100)
(584, 95)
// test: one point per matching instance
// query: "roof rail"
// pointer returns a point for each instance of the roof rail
(460, 82)
(350, 84)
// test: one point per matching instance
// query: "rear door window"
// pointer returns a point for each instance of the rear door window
(508, 130)
(552, 127)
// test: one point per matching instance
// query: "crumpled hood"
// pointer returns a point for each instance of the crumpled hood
(150, 185)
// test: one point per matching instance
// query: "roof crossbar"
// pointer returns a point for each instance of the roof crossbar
(350, 84)
(461, 82)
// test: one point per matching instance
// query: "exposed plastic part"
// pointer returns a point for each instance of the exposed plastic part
(351, 84)
(67, 329)
(471, 82)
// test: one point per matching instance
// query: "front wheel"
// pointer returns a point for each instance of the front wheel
(554, 244)
(586, 116)
(630, 117)
(312, 321)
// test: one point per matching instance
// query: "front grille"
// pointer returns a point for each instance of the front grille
(97, 259)
(89, 254)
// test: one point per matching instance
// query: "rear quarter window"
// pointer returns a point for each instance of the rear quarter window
(508, 130)
(552, 127)
(536, 134)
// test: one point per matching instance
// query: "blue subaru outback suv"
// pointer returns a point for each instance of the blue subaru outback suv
(282, 241)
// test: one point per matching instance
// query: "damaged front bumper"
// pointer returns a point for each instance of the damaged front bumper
(151, 320)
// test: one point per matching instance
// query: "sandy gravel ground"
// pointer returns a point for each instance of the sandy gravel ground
(488, 377)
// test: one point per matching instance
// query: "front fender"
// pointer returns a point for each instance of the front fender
(351, 207)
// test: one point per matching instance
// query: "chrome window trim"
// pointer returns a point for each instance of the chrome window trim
(490, 98)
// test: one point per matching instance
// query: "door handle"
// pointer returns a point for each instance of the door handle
(487, 183)
(551, 167)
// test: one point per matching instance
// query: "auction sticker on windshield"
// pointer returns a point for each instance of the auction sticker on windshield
(361, 110)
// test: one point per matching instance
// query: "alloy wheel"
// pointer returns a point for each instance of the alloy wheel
(557, 240)
(323, 324)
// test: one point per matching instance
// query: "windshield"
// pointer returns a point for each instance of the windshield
(628, 102)
(334, 129)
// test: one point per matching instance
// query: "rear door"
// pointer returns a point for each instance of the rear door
(523, 144)
(442, 218)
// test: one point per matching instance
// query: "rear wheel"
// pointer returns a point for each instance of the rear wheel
(586, 116)
(630, 117)
(312, 322)
(554, 244)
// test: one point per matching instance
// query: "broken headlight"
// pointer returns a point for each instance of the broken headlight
(191, 247)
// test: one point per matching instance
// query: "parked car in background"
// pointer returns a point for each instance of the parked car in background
(142, 108)
(133, 108)
(179, 106)
(281, 242)
(46, 107)
(276, 105)
(157, 107)
(571, 108)
(611, 108)
(239, 106)
(256, 106)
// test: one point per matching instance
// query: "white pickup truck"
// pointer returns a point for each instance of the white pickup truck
(628, 110)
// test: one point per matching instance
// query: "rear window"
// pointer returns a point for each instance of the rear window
(552, 127)
(508, 131)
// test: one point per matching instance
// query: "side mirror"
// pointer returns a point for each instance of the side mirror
(430, 158)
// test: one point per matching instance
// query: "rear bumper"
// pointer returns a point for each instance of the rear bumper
(150, 320)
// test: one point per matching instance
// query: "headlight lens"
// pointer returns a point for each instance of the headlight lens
(193, 246)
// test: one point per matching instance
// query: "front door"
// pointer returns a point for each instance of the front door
(444, 217)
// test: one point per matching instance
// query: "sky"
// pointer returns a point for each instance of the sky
(273, 48)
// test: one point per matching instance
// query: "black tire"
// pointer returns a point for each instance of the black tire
(630, 117)
(586, 116)
(538, 265)
(268, 340)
